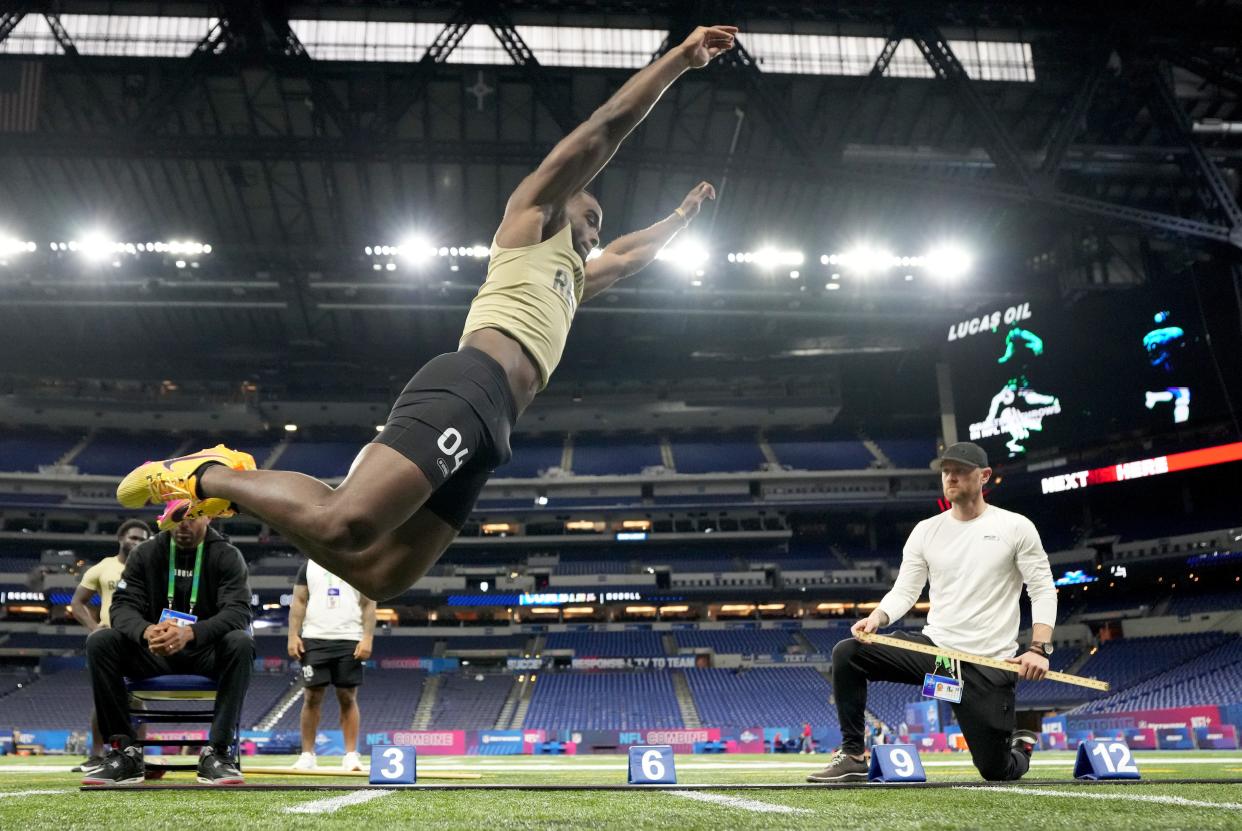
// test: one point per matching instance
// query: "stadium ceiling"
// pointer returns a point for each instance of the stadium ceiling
(289, 161)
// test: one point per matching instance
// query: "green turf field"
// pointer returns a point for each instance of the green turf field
(39, 793)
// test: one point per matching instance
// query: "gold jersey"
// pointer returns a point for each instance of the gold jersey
(102, 578)
(531, 294)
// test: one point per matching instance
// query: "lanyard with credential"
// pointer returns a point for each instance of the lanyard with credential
(172, 573)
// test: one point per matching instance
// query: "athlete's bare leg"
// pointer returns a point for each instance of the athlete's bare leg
(336, 527)
(401, 557)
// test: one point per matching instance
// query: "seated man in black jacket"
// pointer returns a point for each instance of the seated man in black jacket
(182, 607)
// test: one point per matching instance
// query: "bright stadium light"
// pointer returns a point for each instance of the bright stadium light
(773, 257)
(687, 254)
(414, 249)
(95, 246)
(864, 259)
(13, 247)
(948, 261)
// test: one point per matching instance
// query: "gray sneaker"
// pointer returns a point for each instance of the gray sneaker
(92, 764)
(1024, 741)
(842, 768)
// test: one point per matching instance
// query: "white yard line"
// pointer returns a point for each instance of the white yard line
(1128, 797)
(335, 803)
(28, 793)
(738, 802)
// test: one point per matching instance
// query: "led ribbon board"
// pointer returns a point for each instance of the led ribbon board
(1208, 456)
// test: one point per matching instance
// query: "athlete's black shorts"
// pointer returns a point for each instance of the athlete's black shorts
(330, 661)
(453, 420)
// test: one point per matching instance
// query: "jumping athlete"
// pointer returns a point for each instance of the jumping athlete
(409, 491)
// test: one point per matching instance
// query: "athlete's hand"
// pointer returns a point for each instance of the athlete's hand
(1034, 666)
(363, 650)
(296, 647)
(705, 43)
(693, 202)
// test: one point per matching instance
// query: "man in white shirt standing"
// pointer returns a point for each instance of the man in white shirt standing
(976, 558)
(331, 626)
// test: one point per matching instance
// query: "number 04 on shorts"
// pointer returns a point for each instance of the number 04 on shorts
(393, 765)
(652, 765)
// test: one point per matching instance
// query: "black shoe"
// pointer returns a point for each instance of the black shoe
(92, 764)
(842, 768)
(1024, 741)
(121, 765)
(216, 768)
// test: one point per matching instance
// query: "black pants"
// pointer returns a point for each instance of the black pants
(112, 657)
(986, 713)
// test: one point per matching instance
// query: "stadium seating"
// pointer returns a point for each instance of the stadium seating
(26, 452)
(387, 700)
(17, 564)
(825, 639)
(1125, 662)
(508, 643)
(585, 567)
(1192, 604)
(60, 700)
(908, 454)
(603, 701)
(607, 644)
(467, 702)
(1213, 677)
(802, 451)
(887, 701)
(607, 457)
(265, 690)
(762, 697)
(736, 641)
(721, 455)
(112, 454)
(1050, 693)
(12, 679)
(531, 457)
(706, 565)
(54, 643)
(325, 459)
(389, 646)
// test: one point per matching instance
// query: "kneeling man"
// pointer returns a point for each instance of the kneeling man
(975, 557)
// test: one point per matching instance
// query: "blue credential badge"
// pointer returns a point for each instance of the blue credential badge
(179, 618)
(942, 687)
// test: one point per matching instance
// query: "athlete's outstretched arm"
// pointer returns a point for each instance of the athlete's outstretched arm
(578, 157)
(635, 251)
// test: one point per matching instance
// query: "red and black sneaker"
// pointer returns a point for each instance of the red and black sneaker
(216, 768)
(122, 765)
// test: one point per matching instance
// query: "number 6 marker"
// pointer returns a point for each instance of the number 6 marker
(652, 765)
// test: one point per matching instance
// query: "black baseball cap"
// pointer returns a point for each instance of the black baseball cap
(966, 452)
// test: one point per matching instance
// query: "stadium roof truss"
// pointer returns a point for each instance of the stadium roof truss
(290, 135)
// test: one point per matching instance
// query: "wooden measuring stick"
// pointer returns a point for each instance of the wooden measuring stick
(995, 663)
(422, 774)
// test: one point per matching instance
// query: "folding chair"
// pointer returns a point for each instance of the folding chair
(175, 688)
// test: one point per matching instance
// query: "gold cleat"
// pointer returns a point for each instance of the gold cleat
(179, 510)
(174, 479)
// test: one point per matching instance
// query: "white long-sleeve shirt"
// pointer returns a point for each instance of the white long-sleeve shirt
(976, 570)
